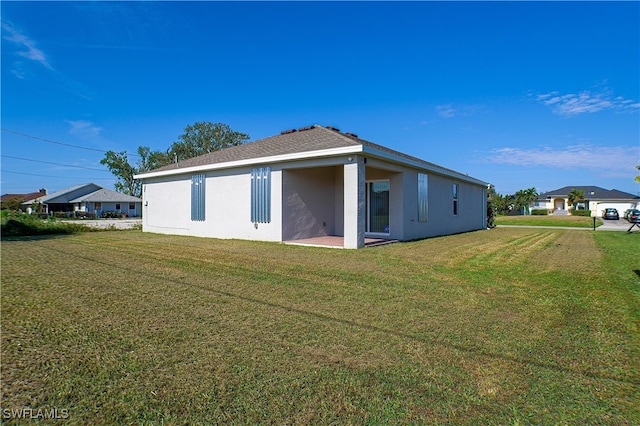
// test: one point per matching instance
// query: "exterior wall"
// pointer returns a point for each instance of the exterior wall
(309, 203)
(312, 198)
(110, 207)
(354, 203)
(472, 207)
(167, 206)
(621, 206)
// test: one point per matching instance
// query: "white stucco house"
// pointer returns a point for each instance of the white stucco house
(88, 197)
(596, 199)
(307, 183)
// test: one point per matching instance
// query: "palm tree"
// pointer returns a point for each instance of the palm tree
(524, 198)
(575, 196)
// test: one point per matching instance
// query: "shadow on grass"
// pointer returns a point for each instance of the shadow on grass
(434, 340)
(637, 272)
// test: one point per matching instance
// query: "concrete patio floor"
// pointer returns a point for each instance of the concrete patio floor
(336, 242)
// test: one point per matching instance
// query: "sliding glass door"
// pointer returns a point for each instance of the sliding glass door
(377, 208)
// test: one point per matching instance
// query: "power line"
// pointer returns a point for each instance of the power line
(55, 164)
(55, 177)
(58, 143)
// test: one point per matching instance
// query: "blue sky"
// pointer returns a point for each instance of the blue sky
(518, 94)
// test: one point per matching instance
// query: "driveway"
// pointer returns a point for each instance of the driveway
(616, 225)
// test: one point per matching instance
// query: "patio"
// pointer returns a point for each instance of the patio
(337, 242)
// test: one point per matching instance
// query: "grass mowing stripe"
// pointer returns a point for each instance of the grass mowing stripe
(316, 336)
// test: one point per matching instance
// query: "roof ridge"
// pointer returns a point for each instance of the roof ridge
(346, 136)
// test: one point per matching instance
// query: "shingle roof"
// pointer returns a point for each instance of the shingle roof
(313, 138)
(590, 193)
(22, 197)
(307, 139)
(106, 196)
(87, 192)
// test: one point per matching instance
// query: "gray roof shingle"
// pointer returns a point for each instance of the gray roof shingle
(307, 139)
(106, 196)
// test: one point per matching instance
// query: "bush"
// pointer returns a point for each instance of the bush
(113, 214)
(539, 212)
(19, 225)
(580, 212)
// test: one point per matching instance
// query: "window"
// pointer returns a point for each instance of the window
(261, 195)
(132, 206)
(455, 198)
(377, 208)
(423, 204)
(98, 206)
(117, 206)
(197, 197)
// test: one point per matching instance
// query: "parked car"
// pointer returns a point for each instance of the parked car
(626, 213)
(611, 214)
(633, 216)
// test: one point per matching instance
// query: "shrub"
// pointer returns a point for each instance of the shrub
(19, 224)
(111, 214)
(580, 212)
(86, 215)
(539, 212)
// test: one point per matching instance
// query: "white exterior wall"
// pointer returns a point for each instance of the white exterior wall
(354, 203)
(472, 207)
(167, 206)
(322, 196)
(621, 206)
(310, 206)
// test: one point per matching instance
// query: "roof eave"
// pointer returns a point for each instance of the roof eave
(422, 166)
(252, 161)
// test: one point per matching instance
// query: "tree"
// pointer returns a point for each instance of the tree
(499, 203)
(202, 138)
(575, 196)
(637, 178)
(524, 198)
(118, 164)
(198, 139)
(13, 203)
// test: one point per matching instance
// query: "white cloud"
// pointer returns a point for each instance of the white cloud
(446, 111)
(28, 46)
(450, 110)
(84, 129)
(606, 160)
(585, 102)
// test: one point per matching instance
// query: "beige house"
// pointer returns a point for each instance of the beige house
(596, 199)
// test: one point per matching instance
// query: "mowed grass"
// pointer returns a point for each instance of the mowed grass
(508, 326)
(551, 220)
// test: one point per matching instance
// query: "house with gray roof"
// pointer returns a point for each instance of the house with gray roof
(91, 198)
(596, 199)
(311, 185)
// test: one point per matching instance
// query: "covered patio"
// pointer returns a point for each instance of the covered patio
(332, 241)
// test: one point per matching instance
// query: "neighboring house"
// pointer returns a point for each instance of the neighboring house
(89, 198)
(307, 183)
(19, 199)
(596, 199)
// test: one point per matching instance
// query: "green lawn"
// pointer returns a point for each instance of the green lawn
(551, 220)
(509, 326)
